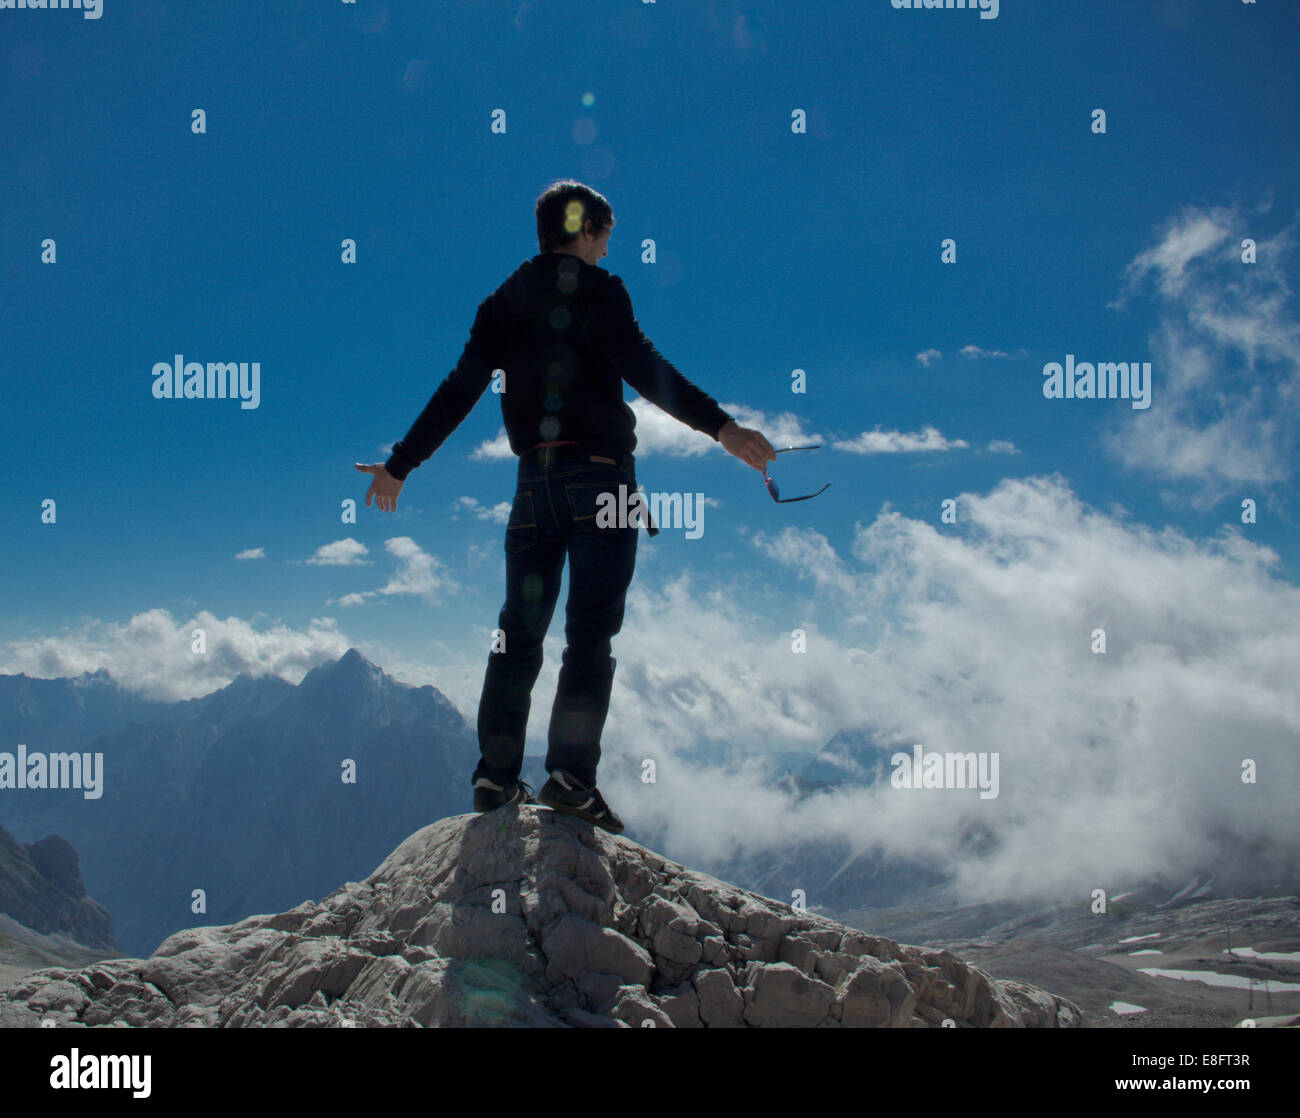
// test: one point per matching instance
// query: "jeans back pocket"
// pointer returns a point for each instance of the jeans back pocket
(521, 530)
(604, 507)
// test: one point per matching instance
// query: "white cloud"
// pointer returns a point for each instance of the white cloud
(977, 637)
(494, 449)
(496, 514)
(973, 352)
(1002, 446)
(151, 653)
(252, 553)
(340, 553)
(657, 432)
(1225, 356)
(811, 554)
(419, 573)
(900, 442)
(1186, 237)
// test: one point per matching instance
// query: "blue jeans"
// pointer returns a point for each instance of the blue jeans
(554, 515)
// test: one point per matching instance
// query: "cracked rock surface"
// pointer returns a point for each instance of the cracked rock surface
(524, 918)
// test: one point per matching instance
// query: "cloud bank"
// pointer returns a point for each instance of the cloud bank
(978, 637)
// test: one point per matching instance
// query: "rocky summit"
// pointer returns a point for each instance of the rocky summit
(527, 918)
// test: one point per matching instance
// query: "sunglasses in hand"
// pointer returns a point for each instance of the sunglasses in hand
(772, 486)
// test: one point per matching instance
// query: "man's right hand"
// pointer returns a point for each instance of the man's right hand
(746, 444)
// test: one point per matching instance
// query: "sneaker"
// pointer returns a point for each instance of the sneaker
(489, 796)
(565, 793)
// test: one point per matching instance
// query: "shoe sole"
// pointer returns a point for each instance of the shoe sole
(578, 813)
(516, 802)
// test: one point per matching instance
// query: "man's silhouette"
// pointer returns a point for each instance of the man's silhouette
(562, 331)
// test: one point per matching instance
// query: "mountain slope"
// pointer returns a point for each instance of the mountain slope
(68, 712)
(1216, 962)
(41, 889)
(529, 918)
(241, 794)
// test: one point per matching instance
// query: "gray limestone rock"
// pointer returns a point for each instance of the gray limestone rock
(527, 918)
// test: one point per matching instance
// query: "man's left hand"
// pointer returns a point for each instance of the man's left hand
(384, 488)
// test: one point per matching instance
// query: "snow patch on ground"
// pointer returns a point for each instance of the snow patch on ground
(1125, 1008)
(1270, 956)
(1211, 978)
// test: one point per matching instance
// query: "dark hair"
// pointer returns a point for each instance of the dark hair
(563, 209)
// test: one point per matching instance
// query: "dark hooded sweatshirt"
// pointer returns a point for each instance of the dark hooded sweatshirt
(563, 333)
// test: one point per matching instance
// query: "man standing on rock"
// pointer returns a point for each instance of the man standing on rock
(560, 336)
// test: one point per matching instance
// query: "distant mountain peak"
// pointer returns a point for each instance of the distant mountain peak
(353, 661)
(352, 666)
(99, 675)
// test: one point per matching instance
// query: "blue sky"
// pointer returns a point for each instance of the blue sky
(775, 251)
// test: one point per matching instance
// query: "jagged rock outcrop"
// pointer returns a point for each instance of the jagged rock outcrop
(529, 918)
(41, 888)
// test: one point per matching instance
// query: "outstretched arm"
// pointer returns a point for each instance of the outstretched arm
(639, 363)
(452, 402)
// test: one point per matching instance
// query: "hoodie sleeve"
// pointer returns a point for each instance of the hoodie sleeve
(454, 399)
(639, 363)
